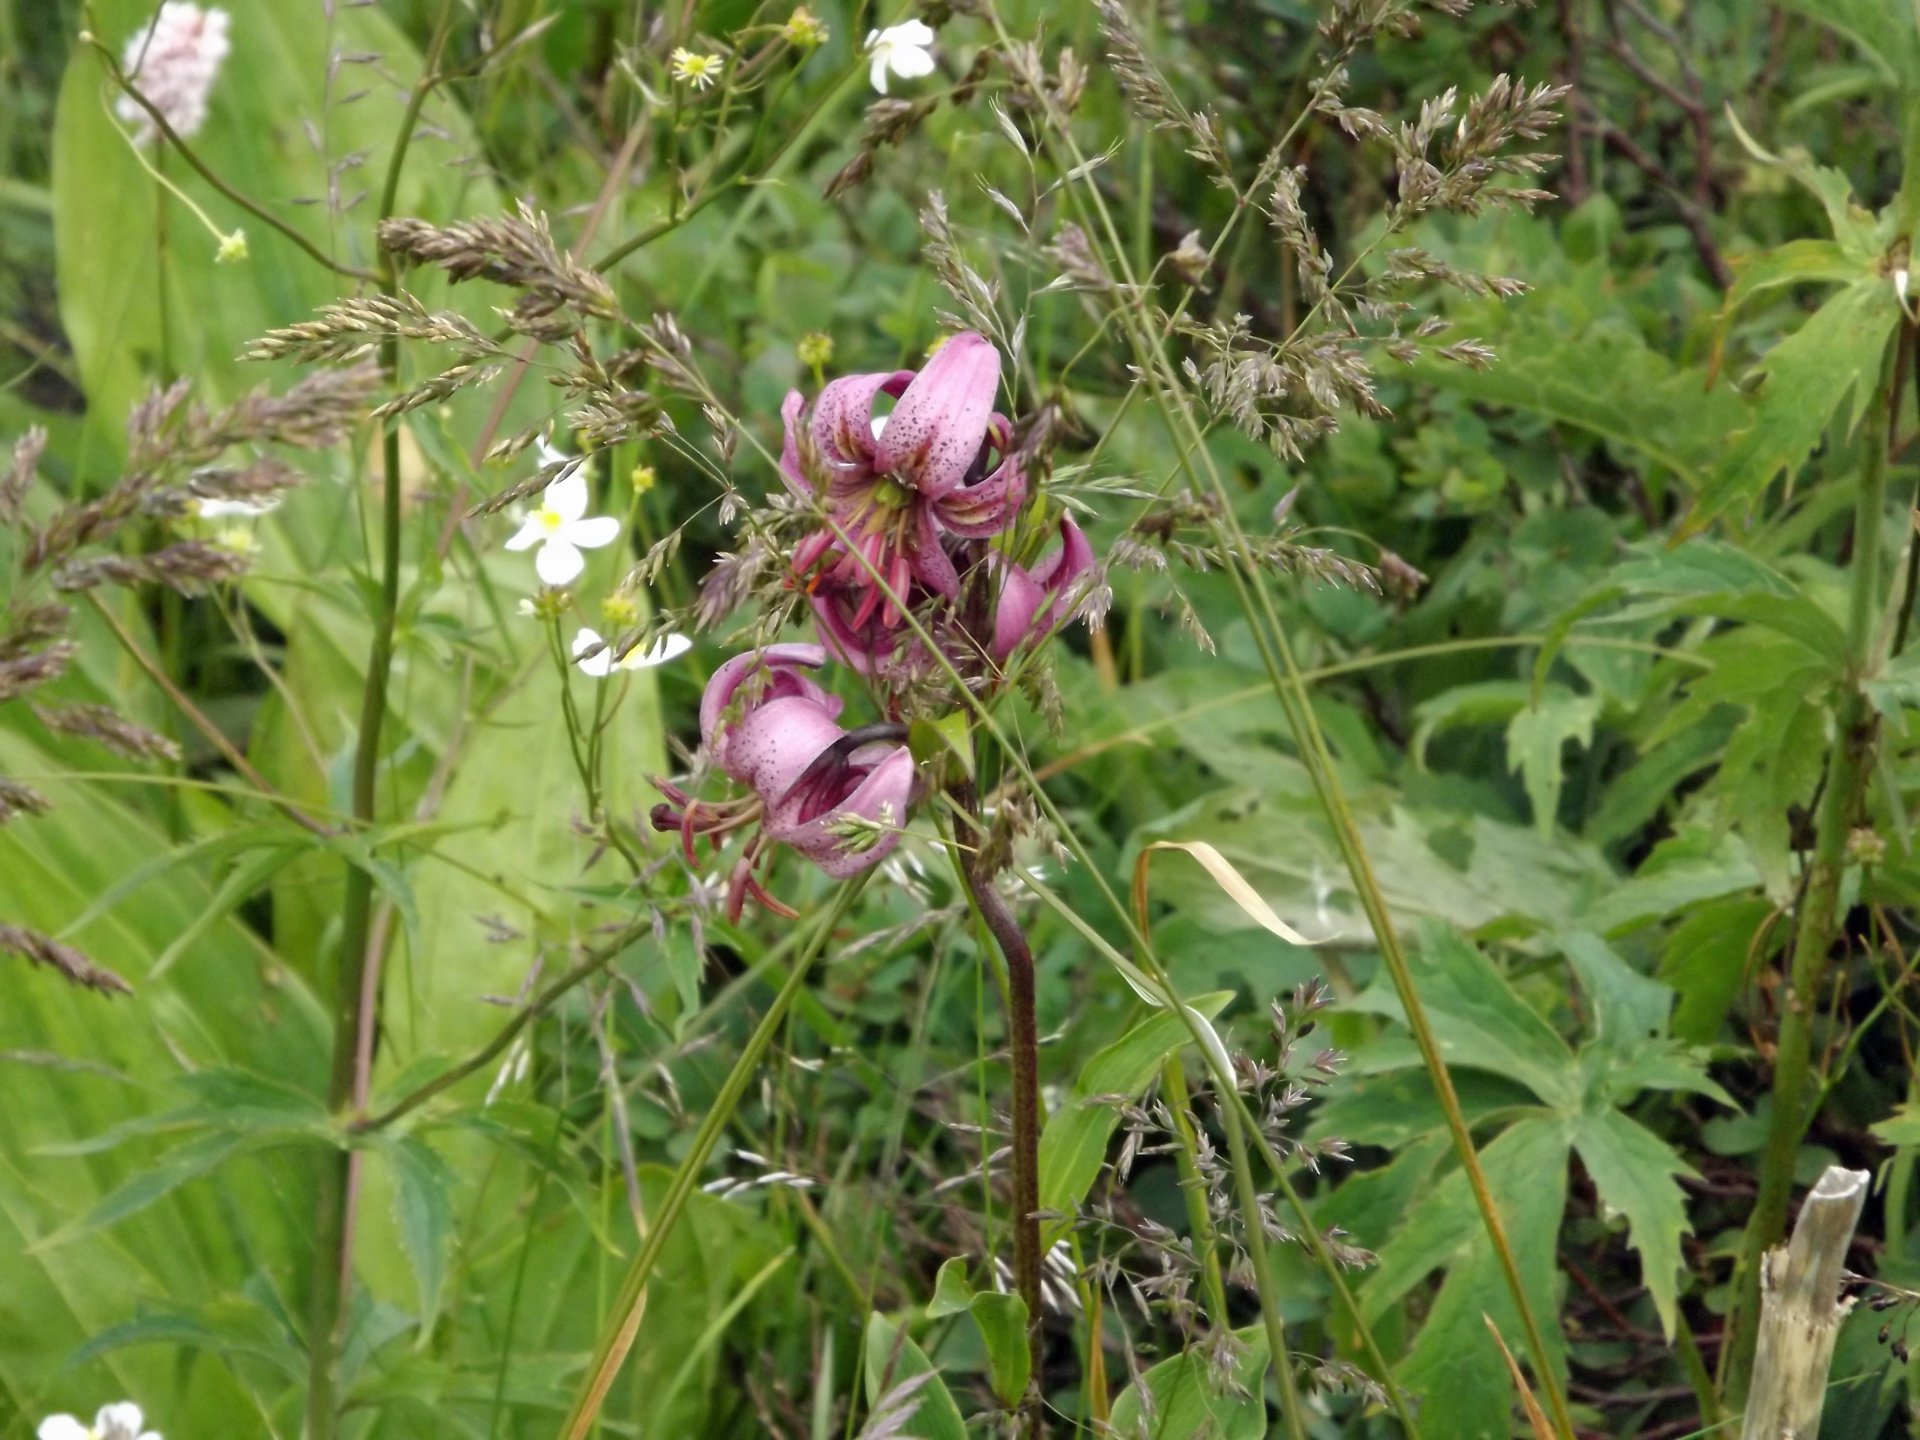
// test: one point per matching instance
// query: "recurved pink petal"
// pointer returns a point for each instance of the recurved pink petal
(859, 647)
(883, 796)
(932, 566)
(935, 433)
(977, 511)
(785, 665)
(790, 422)
(1016, 610)
(1067, 564)
(775, 742)
(843, 416)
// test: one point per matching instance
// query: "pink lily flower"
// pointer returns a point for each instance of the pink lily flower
(1030, 599)
(770, 726)
(938, 465)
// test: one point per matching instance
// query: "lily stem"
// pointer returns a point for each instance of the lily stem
(1023, 1042)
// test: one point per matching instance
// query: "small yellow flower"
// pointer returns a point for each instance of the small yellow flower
(699, 71)
(236, 540)
(233, 249)
(804, 29)
(642, 479)
(620, 611)
(815, 350)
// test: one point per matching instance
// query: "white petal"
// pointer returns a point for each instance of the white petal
(667, 647)
(63, 1427)
(119, 1422)
(592, 534)
(530, 533)
(910, 63)
(599, 665)
(878, 74)
(559, 562)
(912, 32)
(567, 496)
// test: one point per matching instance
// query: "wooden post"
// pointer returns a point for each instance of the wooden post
(1801, 1311)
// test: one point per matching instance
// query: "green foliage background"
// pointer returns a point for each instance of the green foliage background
(1584, 754)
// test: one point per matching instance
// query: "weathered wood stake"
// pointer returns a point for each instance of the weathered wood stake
(1801, 1311)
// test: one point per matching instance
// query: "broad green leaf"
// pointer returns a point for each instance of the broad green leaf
(951, 1291)
(1826, 370)
(1536, 738)
(423, 1192)
(1003, 1325)
(1708, 958)
(1700, 566)
(1183, 1402)
(1455, 1365)
(892, 1357)
(1625, 1008)
(1073, 1146)
(1477, 1019)
(1637, 1174)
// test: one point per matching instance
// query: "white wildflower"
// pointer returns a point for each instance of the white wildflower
(214, 509)
(114, 1422)
(173, 62)
(699, 71)
(561, 526)
(905, 49)
(601, 664)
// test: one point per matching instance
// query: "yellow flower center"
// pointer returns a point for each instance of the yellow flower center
(550, 520)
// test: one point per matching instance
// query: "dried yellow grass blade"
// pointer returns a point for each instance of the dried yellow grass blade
(1536, 1417)
(1234, 884)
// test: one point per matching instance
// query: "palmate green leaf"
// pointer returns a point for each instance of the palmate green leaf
(1455, 1367)
(1824, 372)
(1537, 738)
(891, 1357)
(1073, 1146)
(1625, 1009)
(1606, 381)
(1637, 1174)
(1695, 865)
(1181, 1400)
(1477, 1019)
(1707, 959)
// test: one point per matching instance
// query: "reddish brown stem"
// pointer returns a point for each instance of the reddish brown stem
(1024, 1045)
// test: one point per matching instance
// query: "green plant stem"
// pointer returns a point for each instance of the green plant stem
(1023, 1043)
(333, 1229)
(1817, 922)
(623, 1322)
(1174, 1078)
(1254, 1219)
